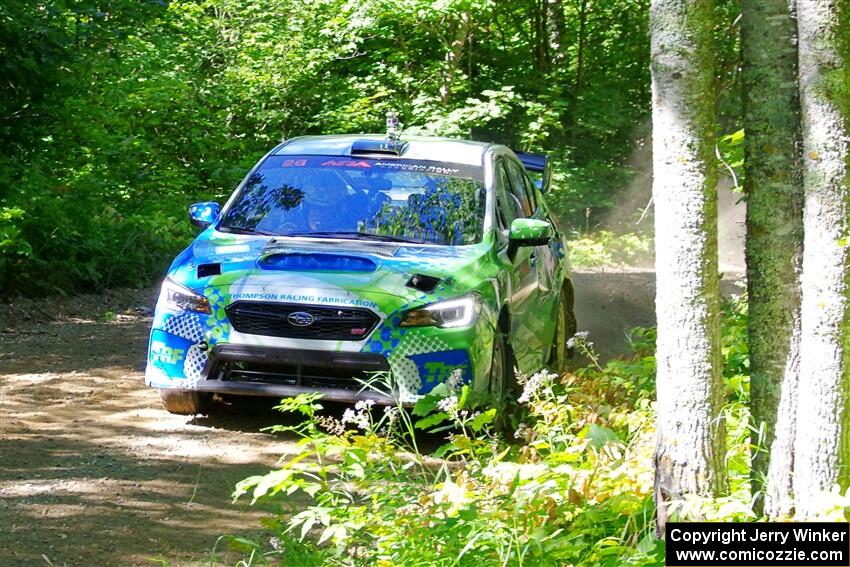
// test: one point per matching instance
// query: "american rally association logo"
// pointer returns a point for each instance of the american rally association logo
(300, 319)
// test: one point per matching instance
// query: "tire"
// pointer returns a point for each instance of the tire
(503, 387)
(565, 328)
(184, 402)
(500, 368)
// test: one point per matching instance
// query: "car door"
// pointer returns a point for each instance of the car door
(543, 263)
(521, 272)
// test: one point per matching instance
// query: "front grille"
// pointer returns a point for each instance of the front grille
(294, 375)
(293, 367)
(295, 321)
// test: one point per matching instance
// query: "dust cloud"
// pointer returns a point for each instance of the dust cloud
(633, 212)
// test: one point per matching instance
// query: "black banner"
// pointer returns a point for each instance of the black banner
(815, 544)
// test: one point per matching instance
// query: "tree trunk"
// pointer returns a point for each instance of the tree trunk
(578, 82)
(774, 189)
(454, 44)
(539, 33)
(557, 32)
(582, 42)
(822, 447)
(690, 447)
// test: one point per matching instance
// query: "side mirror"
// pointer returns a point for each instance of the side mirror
(204, 214)
(528, 232)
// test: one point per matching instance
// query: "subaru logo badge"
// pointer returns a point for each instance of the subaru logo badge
(300, 319)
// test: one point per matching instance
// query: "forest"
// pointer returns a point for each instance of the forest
(117, 114)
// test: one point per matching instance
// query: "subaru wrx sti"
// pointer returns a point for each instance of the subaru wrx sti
(339, 257)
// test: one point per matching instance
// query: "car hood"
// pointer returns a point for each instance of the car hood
(236, 267)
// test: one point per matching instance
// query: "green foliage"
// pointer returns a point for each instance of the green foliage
(13, 248)
(604, 248)
(730, 148)
(735, 349)
(572, 487)
(117, 115)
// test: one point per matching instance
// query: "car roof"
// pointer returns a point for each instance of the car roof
(429, 148)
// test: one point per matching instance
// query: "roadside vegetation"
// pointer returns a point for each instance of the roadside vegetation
(569, 482)
(607, 249)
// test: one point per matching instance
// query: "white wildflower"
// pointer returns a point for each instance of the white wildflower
(448, 405)
(363, 421)
(455, 380)
(535, 384)
(579, 338)
(360, 418)
(360, 415)
(521, 431)
(349, 416)
(391, 412)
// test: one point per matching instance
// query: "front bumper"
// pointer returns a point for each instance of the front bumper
(187, 352)
(280, 372)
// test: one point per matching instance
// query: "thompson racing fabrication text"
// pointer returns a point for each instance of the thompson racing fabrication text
(300, 298)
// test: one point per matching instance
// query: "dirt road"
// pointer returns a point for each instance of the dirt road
(92, 471)
(609, 304)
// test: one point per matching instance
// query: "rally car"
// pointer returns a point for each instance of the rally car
(342, 258)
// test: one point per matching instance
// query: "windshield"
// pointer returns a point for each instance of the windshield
(342, 197)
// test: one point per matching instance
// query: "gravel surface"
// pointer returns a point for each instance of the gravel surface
(92, 470)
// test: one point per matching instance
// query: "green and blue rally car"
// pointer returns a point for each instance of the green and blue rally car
(341, 256)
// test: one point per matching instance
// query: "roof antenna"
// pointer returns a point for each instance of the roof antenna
(393, 128)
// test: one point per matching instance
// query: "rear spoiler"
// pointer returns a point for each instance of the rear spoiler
(539, 168)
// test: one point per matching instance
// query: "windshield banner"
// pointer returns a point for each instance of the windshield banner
(383, 165)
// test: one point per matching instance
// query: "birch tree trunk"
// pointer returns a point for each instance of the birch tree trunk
(556, 32)
(774, 189)
(690, 446)
(454, 43)
(822, 447)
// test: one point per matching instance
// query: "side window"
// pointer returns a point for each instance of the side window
(520, 187)
(508, 207)
(530, 190)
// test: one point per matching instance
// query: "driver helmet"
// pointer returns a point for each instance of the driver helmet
(325, 200)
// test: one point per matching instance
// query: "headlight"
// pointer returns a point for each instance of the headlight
(179, 298)
(453, 313)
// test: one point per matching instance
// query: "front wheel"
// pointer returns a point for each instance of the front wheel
(503, 386)
(501, 371)
(565, 328)
(184, 402)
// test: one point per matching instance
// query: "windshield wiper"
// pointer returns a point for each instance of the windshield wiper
(356, 235)
(246, 230)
